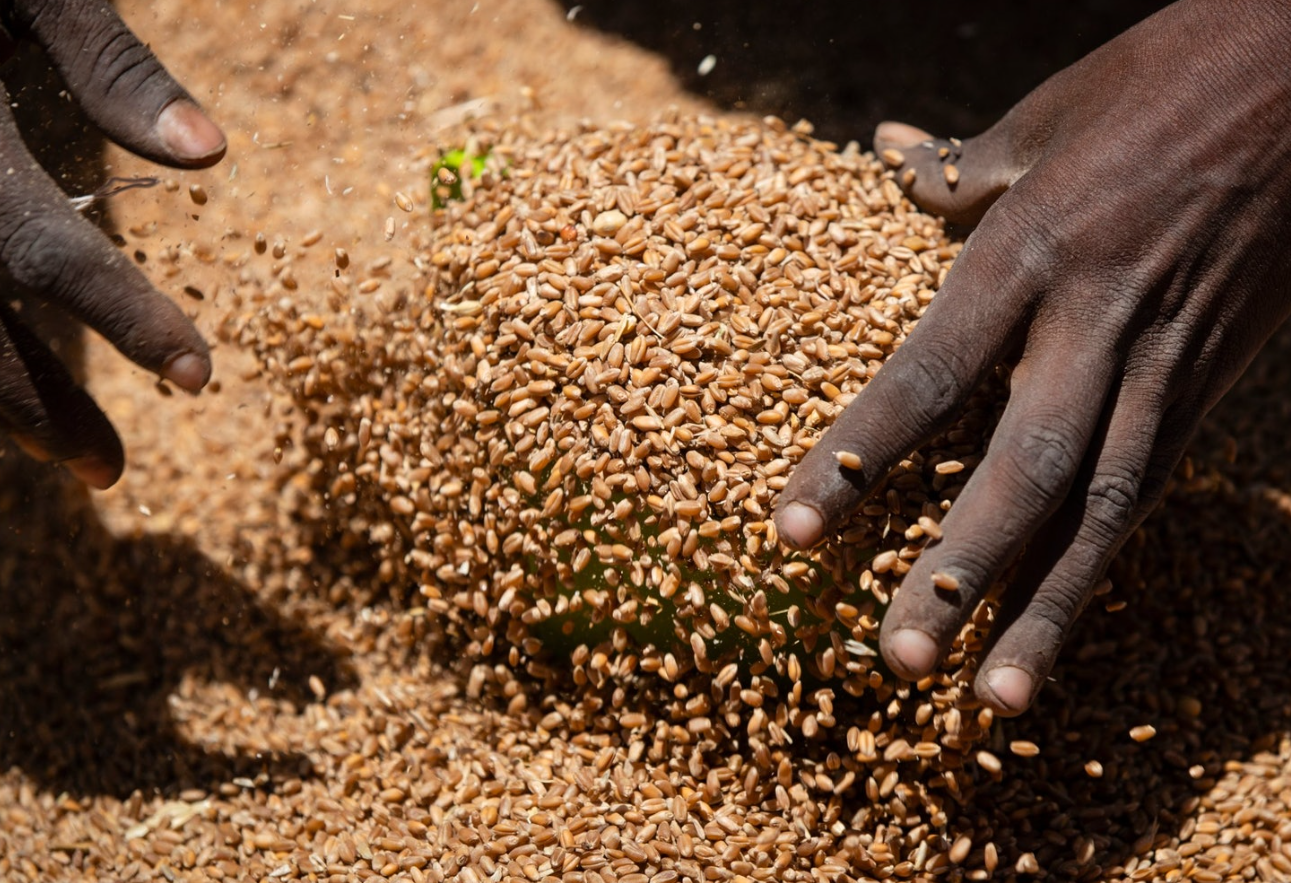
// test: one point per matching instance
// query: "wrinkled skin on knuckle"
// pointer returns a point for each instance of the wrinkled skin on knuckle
(1112, 501)
(1042, 459)
(35, 250)
(935, 377)
(114, 76)
(123, 65)
(1051, 614)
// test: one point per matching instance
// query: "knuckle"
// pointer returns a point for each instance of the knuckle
(1113, 500)
(101, 55)
(121, 60)
(1046, 240)
(933, 381)
(36, 252)
(1054, 609)
(1044, 456)
(1023, 220)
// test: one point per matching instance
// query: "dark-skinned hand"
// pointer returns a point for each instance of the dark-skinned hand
(50, 250)
(1132, 253)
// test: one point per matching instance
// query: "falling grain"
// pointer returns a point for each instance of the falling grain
(1142, 733)
(1022, 748)
(989, 762)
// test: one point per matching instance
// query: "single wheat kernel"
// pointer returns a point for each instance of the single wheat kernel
(848, 460)
(1022, 748)
(931, 528)
(989, 762)
(945, 581)
(893, 157)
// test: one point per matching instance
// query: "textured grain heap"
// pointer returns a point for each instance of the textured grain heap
(576, 436)
(635, 336)
(572, 441)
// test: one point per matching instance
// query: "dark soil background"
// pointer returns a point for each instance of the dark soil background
(847, 66)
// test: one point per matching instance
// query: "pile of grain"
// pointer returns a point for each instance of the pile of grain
(571, 443)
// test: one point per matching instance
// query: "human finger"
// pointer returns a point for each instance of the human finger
(119, 83)
(1056, 399)
(966, 331)
(48, 248)
(44, 410)
(1058, 575)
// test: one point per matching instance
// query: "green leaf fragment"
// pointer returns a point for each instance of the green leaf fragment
(446, 175)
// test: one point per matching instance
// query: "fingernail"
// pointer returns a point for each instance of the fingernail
(890, 135)
(1011, 687)
(93, 471)
(189, 371)
(800, 525)
(912, 653)
(188, 132)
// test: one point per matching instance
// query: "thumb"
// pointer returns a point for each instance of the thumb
(118, 82)
(957, 179)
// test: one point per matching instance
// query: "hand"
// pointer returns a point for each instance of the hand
(50, 250)
(1132, 253)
